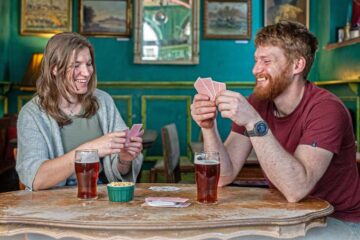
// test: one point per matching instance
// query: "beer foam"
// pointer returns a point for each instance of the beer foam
(88, 160)
(207, 162)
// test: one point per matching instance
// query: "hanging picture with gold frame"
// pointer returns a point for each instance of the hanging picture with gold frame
(227, 19)
(294, 10)
(45, 17)
(105, 18)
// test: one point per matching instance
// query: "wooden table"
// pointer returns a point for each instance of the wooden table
(239, 211)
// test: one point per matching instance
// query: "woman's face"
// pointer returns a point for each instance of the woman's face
(80, 71)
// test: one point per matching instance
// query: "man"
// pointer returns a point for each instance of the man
(302, 134)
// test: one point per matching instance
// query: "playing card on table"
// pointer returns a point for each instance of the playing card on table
(166, 202)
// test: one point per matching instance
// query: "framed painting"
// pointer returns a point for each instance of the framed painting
(292, 10)
(105, 18)
(40, 17)
(227, 19)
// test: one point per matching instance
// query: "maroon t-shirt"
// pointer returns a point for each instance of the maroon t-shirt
(320, 120)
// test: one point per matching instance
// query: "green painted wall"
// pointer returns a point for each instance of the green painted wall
(341, 63)
(223, 60)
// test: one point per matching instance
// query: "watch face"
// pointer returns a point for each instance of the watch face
(261, 128)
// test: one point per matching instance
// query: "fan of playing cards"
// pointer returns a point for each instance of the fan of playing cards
(133, 132)
(209, 87)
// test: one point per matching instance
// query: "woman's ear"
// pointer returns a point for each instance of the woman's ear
(54, 71)
(299, 65)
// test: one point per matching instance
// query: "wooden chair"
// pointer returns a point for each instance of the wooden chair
(21, 185)
(170, 166)
(6, 162)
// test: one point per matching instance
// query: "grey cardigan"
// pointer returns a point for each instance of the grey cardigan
(39, 140)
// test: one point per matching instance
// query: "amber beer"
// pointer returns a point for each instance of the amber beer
(87, 172)
(207, 172)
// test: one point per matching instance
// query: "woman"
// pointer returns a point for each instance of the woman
(67, 114)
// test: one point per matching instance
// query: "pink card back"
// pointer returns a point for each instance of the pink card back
(200, 87)
(210, 87)
(135, 130)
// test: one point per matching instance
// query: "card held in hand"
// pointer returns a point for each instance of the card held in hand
(133, 132)
(209, 87)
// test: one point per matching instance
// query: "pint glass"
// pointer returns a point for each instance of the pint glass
(87, 172)
(207, 172)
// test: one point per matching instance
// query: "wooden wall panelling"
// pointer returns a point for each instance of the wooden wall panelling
(125, 107)
(3, 105)
(159, 110)
(22, 100)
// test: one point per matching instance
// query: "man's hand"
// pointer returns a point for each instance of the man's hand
(203, 111)
(235, 106)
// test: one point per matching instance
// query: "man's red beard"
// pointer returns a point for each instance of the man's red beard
(273, 88)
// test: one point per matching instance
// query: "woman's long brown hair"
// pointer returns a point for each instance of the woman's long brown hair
(59, 54)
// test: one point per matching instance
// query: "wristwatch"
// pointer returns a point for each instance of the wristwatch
(260, 129)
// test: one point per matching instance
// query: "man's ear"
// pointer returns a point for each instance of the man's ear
(54, 71)
(299, 65)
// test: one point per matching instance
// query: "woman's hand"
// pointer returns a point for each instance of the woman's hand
(132, 149)
(203, 111)
(108, 144)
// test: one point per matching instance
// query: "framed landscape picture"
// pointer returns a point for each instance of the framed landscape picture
(45, 17)
(293, 10)
(104, 18)
(227, 19)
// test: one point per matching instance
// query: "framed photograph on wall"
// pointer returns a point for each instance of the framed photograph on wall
(227, 19)
(40, 17)
(105, 18)
(293, 10)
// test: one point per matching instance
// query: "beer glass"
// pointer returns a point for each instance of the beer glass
(207, 172)
(87, 173)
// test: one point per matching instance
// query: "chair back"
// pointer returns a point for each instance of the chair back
(171, 151)
(7, 137)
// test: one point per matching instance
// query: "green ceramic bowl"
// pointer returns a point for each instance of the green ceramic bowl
(121, 191)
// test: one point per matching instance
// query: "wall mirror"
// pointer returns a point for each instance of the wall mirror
(167, 32)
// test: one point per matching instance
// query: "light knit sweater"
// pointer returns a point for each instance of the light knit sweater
(39, 140)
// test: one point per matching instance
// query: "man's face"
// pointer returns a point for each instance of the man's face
(272, 71)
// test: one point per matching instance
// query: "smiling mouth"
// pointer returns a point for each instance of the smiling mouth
(81, 80)
(261, 79)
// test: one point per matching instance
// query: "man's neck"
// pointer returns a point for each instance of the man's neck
(286, 102)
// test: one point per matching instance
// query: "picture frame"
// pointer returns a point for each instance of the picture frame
(294, 10)
(227, 19)
(43, 17)
(105, 18)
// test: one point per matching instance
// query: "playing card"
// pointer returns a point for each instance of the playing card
(133, 132)
(209, 85)
(200, 87)
(166, 202)
(219, 87)
(164, 188)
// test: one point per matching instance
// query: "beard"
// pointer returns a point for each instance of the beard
(275, 86)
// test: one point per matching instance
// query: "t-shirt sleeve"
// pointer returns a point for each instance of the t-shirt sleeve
(325, 126)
